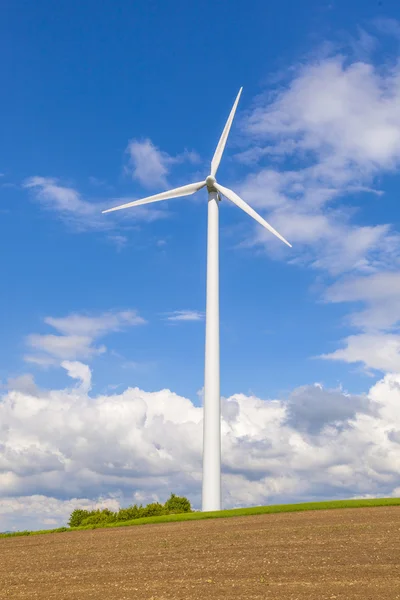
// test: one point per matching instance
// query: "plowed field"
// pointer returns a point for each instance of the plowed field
(344, 554)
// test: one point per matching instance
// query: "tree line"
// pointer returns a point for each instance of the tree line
(174, 505)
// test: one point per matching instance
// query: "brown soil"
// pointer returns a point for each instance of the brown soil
(346, 554)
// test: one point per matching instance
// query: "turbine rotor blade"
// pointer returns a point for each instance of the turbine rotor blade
(222, 141)
(244, 206)
(185, 190)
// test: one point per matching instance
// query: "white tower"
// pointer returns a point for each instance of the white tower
(211, 499)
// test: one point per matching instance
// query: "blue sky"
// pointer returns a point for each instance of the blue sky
(107, 105)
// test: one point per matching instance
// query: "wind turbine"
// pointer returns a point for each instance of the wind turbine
(211, 496)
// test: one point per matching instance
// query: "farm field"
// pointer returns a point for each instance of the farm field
(348, 554)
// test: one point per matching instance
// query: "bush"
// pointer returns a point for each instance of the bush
(99, 516)
(177, 505)
(153, 510)
(77, 517)
(127, 514)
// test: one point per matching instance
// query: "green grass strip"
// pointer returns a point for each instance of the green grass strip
(236, 512)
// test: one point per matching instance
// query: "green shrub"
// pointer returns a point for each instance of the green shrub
(153, 510)
(100, 516)
(177, 505)
(77, 517)
(127, 514)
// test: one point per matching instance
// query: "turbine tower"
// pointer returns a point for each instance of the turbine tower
(211, 493)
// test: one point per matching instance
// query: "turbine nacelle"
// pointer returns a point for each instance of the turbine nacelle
(210, 183)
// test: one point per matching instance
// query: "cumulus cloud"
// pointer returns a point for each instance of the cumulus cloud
(150, 166)
(66, 448)
(76, 336)
(23, 383)
(334, 406)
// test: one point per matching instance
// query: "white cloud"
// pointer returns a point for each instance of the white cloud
(67, 202)
(64, 444)
(76, 336)
(380, 292)
(377, 318)
(79, 371)
(24, 383)
(64, 346)
(46, 512)
(332, 128)
(95, 326)
(82, 215)
(336, 110)
(150, 166)
(376, 351)
(185, 315)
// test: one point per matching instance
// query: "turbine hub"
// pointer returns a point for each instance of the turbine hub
(210, 183)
